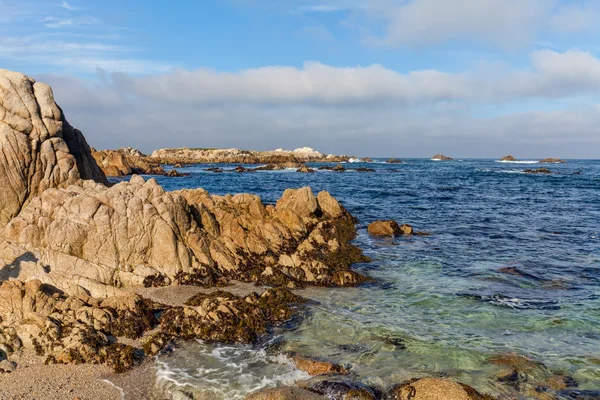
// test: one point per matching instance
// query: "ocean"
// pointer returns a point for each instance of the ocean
(511, 266)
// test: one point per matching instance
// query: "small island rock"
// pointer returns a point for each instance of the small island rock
(441, 157)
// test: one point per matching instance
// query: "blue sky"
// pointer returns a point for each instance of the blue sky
(366, 77)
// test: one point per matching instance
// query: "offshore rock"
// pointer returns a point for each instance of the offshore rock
(551, 161)
(384, 228)
(40, 150)
(508, 158)
(441, 157)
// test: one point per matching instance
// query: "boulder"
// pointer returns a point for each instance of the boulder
(508, 158)
(406, 229)
(40, 150)
(384, 228)
(366, 159)
(316, 367)
(285, 393)
(441, 157)
(434, 389)
(394, 161)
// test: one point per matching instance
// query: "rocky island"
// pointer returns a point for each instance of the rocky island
(237, 156)
(441, 157)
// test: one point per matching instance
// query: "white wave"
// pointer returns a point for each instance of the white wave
(436, 159)
(220, 372)
(517, 162)
(354, 160)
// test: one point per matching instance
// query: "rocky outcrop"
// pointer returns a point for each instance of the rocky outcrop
(366, 159)
(552, 161)
(40, 150)
(441, 157)
(72, 248)
(97, 239)
(508, 158)
(237, 156)
(394, 161)
(126, 161)
(74, 329)
(432, 388)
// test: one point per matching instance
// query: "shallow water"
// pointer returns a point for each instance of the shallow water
(441, 305)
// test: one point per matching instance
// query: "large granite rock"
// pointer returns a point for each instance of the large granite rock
(126, 161)
(40, 150)
(97, 239)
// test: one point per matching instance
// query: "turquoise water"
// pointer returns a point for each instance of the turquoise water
(512, 266)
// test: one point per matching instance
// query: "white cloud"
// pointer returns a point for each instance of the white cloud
(68, 6)
(551, 75)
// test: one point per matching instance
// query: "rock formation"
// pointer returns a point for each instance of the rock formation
(508, 158)
(237, 156)
(40, 150)
(394, 161)
(441, 157)
(126, 161)
(71, 247)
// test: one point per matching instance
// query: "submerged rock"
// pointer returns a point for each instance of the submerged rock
(362, 169)
(434, 389)
(285, 393)
(340, 387)
(537, 171)
(316, 367)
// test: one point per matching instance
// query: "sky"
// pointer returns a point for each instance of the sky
(379, 78)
